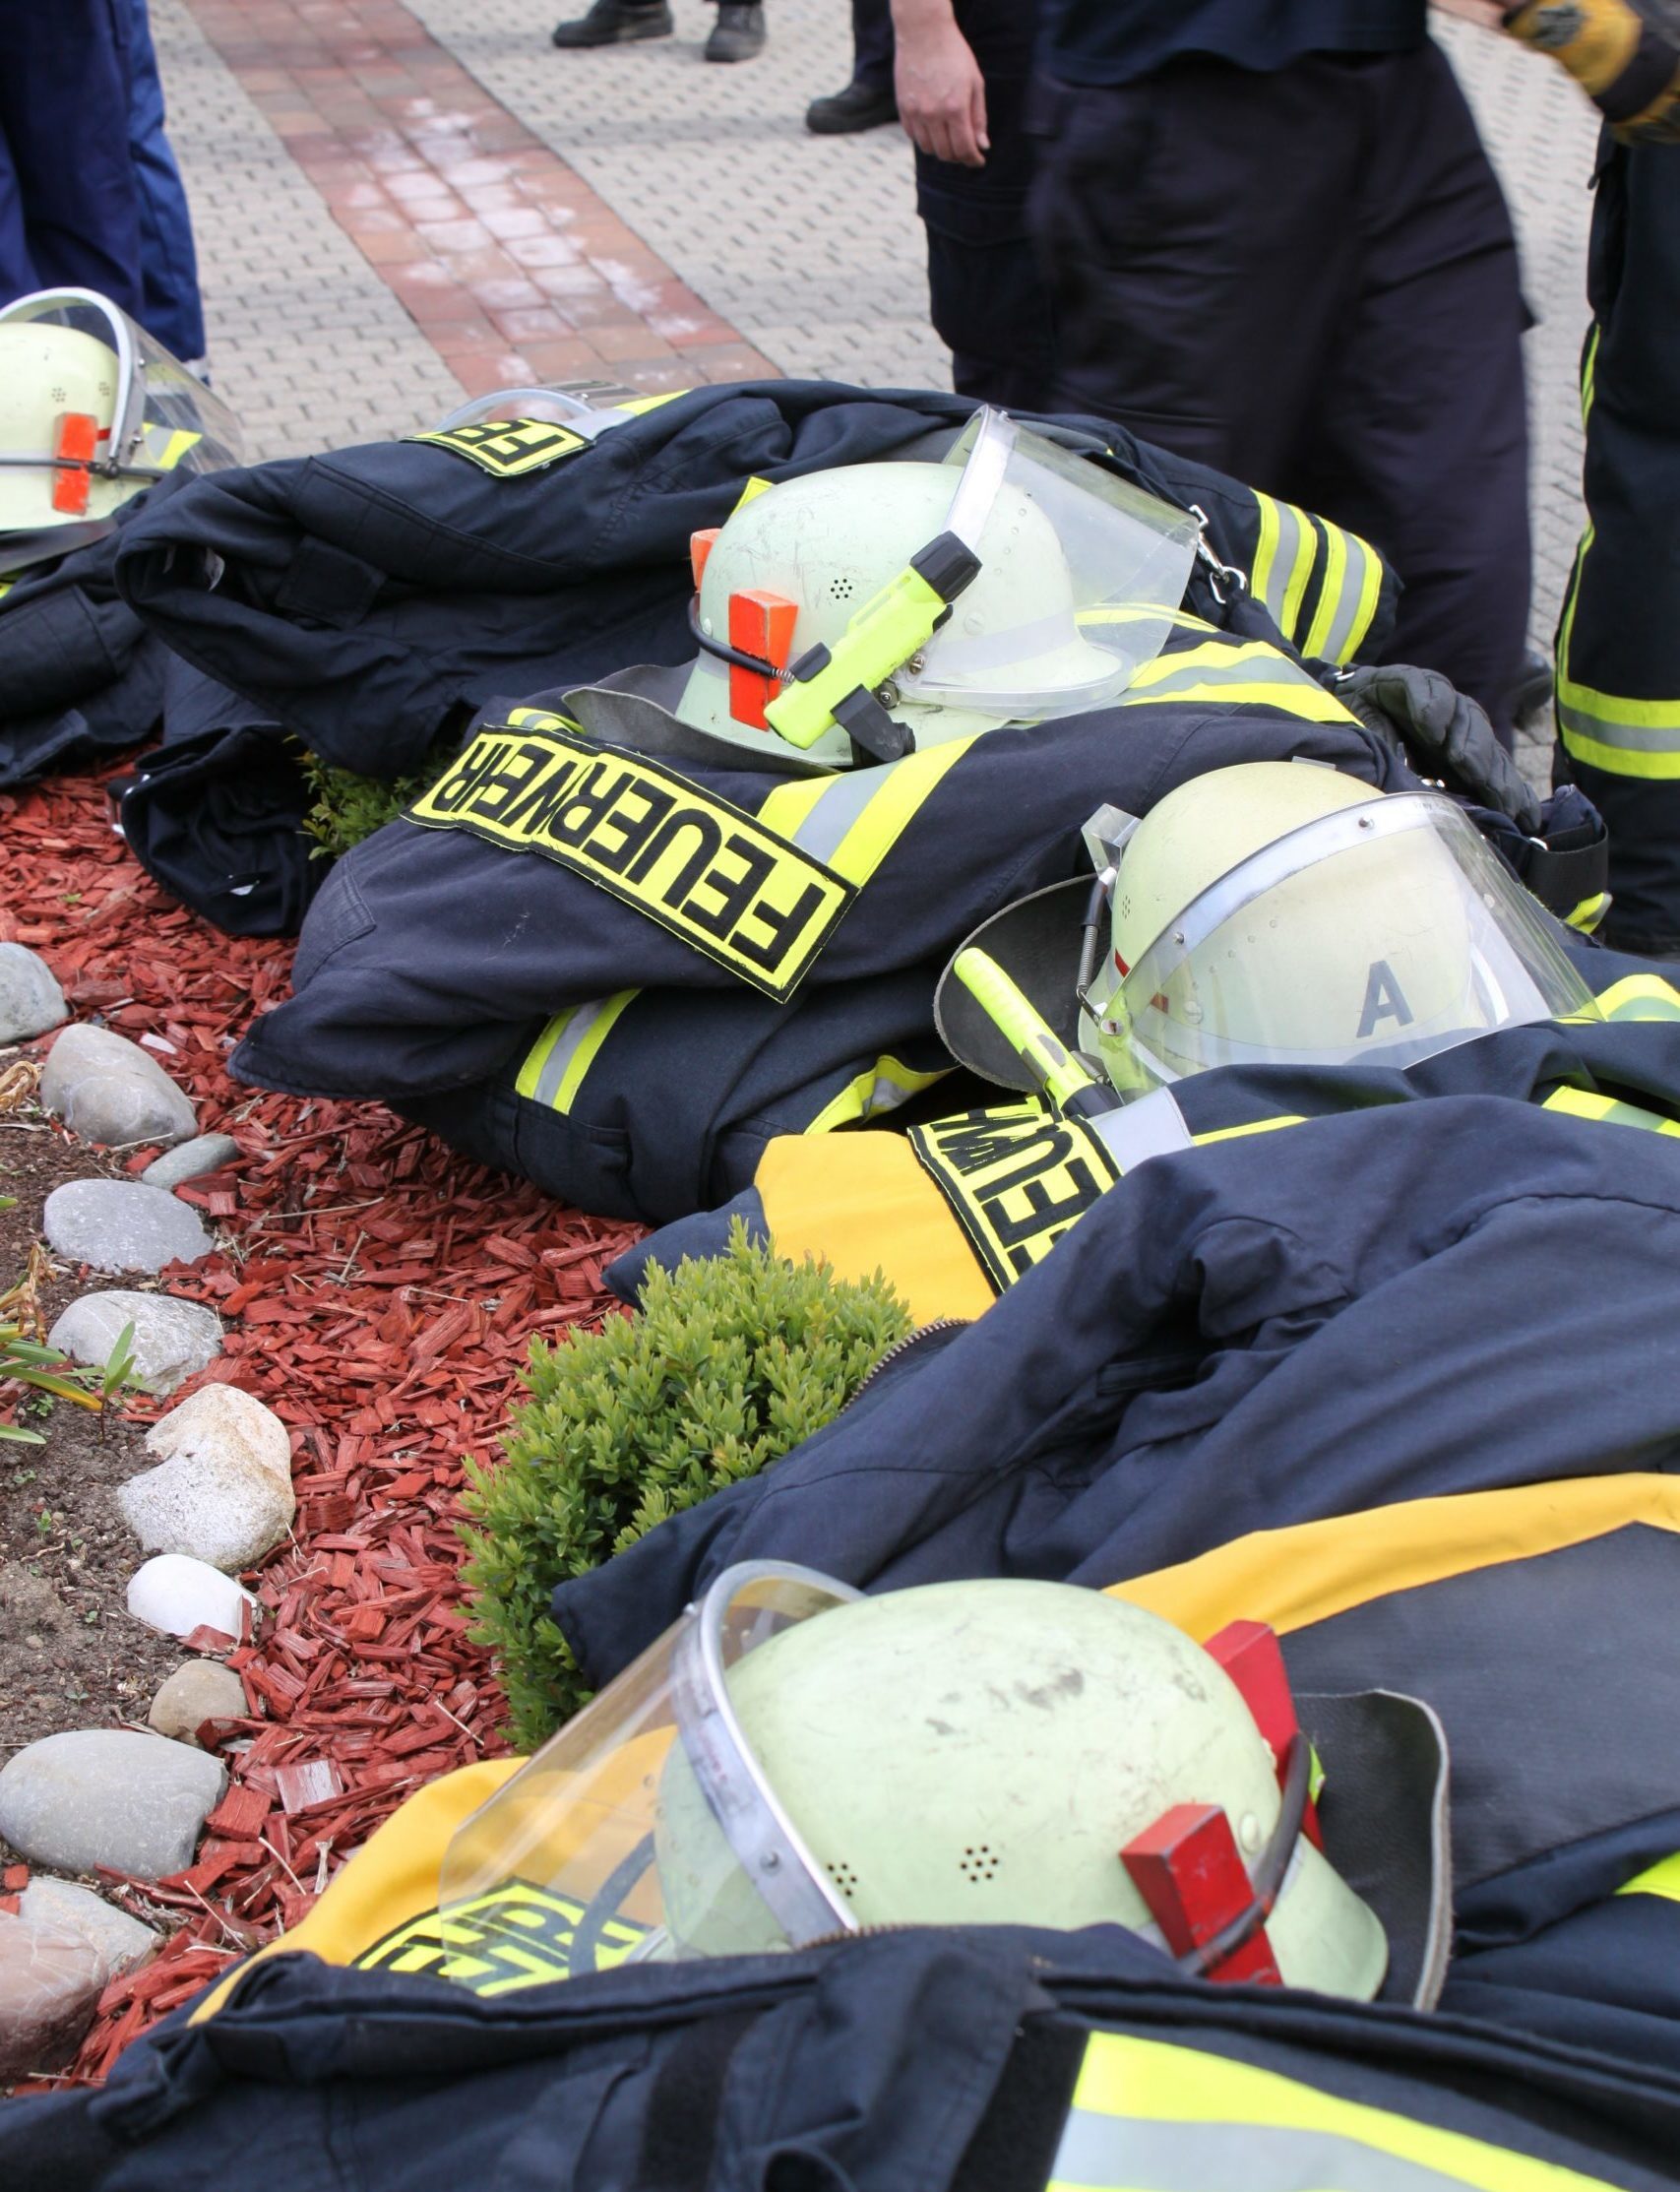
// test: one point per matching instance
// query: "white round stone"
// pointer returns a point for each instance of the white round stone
(172, 1341)
(121, 1940)
(226, 1421)
(210, 1506)
(108, 1090)
(50, 1982)
(108, 1797)
(123, 1225)
(176, 1595)
(30, 1000)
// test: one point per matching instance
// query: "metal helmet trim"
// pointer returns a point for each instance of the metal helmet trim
(749, 1815)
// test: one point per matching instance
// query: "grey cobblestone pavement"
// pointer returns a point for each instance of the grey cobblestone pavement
(809, 247)
(306, 342)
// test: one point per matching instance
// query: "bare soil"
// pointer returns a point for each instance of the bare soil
(70, 1655)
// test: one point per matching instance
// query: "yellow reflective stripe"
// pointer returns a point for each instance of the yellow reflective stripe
(1365, 608)
(1348, 597)
(1253, 1126)
(166, 449)
(1305, 701)
(751, 492)
(881, 1087)
(1138, 612)
(1590, 374)
(1310, 1572)
(1329, 590)
(1282, 560)
(556, 1063)
(1586, 916)
(1150, 2112)
(1228, 673)
(1612, 731)
(1640, 997)
(852, 818)
(640, 404)
(1661, 1878)
(1590, 1104)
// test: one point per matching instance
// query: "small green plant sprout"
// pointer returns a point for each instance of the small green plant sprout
(347, 807)
(47, 1375)
(727, 1364)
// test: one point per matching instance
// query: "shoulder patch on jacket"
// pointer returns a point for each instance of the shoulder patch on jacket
(700, 866)
(508, 448)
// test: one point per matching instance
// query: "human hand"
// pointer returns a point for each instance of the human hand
(941, 94)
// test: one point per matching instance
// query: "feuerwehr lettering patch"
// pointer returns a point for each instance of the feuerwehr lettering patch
(508, 448)
(702, 867)
(1016, 1177)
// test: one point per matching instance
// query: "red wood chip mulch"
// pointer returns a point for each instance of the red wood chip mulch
(379, 1293)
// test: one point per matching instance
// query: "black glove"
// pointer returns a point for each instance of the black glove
(1447, 735)
(1625, 54)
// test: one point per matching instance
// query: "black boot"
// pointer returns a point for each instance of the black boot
(739, 33)
(860, 106)
(616, 22)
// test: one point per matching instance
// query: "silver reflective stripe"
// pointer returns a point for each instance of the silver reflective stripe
(578, 1024)
(1154, 1126)
(836, 809)
(1637, 738)
(1121, 2154)
(1240, 666)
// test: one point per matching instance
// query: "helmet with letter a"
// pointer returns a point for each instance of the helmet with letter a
(1274, 914)
(794, 1762)
(92, 411)
(858, 613)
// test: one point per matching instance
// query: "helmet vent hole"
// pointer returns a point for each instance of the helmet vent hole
(844, 1878)
(978, 1864)
(840, 587)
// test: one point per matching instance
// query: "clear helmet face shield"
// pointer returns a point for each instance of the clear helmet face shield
(1088, 568)
(1066, 582)
(92, 411)
(648, 1817)
(1380, 934)
(588, 407)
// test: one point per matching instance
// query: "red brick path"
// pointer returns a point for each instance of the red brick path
(506, 261)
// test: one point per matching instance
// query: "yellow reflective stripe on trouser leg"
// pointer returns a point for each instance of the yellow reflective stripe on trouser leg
(1637, 997)
(1282, 558)
(1148, 2114)
(881, 1087)
(850, 821)
(556, 1063)
(1661, 1878)
(1348, 595)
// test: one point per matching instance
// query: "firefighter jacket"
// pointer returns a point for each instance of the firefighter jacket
(1269, 1329)
(547, 868)
(80, 675)
(371, 599)
(925, 2060)
(963, 1203)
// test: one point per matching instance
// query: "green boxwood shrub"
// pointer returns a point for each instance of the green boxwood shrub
(728, 1363)
(347, 808)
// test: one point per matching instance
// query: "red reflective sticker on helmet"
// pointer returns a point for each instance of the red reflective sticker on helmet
(760, 624)
(1187, 1869)
(75, 445)
(700, 545)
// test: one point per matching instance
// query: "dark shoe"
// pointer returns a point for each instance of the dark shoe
(616, 22)
(739, 33)
(860, 106)
(1533, 695)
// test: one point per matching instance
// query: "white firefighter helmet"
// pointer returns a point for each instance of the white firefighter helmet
(927, 601)
(92, 411)
(793, 1761)
(1278, 912)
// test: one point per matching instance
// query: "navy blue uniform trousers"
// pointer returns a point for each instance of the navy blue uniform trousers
(1618, 639)
(1309, 278)
(70, 208)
